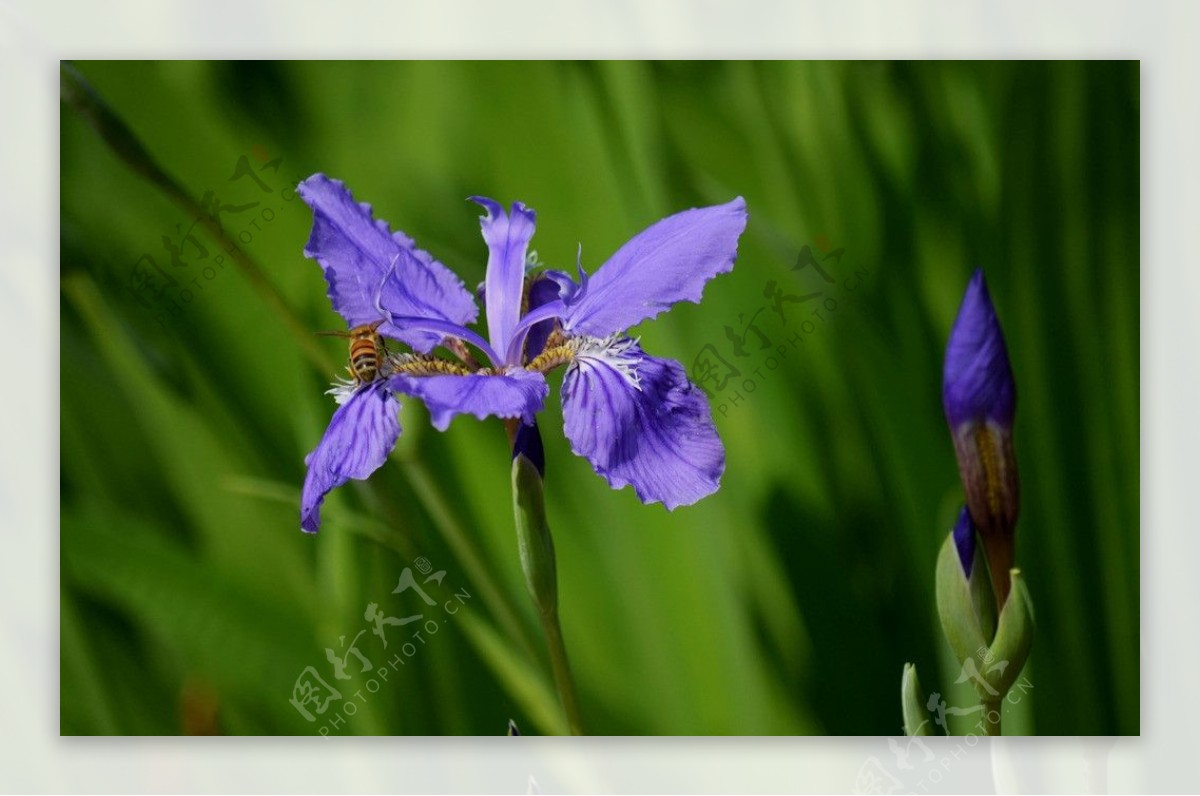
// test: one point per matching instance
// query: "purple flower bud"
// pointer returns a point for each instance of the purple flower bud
(979, 396)
(978, 381)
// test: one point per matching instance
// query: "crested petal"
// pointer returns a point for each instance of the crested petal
(542, 290)
(668, 262)
(362, 432)
(517, 393)
(507, 237)
(639, 421)
(977, 379)
(366, 264)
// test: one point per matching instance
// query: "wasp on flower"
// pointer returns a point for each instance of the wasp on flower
(636, 418)
(366, 348)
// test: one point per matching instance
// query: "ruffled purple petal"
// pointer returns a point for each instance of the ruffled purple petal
(507, 237)
(667, 263)
(977, 379)
(517, 393)
(357, 254)
(657, 435)
(361, 434)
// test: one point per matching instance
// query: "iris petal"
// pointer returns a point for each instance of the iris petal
(667, 263)
(442, 330)
(653, 430)
(356, 253)
(507, 237)
(518, 393)
(360, 435)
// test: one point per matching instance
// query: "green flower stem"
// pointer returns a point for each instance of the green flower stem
(991, 709)
(541, 577)
(563, 680)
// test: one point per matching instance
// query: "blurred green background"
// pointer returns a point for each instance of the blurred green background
(786, 603)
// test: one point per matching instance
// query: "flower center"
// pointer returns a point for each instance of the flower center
(557, 351)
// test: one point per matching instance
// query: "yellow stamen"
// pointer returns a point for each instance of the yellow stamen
(412, 365)
(551, 358)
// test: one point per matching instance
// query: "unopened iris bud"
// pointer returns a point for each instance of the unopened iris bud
(980, 396)
(527, 442)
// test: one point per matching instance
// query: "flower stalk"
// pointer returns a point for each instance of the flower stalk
(991, 715)
(541, 576)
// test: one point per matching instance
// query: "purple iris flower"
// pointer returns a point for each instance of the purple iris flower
(636, 418)
(979, 395)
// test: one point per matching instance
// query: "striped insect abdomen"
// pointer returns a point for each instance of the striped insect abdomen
(364, 357)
